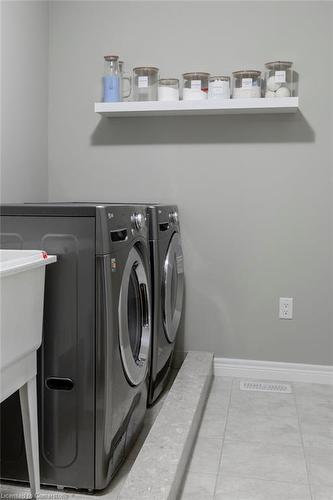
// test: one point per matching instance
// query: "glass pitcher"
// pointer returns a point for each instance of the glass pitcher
(112, 80)
(125, 77)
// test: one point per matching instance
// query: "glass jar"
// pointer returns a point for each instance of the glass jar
(168, 89)
(145, 80)
(246, 84)
(195, 86)
(219, 87)
(111, 79)
(279, 79)
(124, 77)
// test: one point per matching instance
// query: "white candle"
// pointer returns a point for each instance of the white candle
(166, 93)
(194, 94)
(246, 92)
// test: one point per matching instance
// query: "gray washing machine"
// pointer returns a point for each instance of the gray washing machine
(167, 269)
(94, 360)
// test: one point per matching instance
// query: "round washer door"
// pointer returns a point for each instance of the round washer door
(134, 318)
(173, 287)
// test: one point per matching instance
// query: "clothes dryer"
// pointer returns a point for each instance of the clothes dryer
(167, 270)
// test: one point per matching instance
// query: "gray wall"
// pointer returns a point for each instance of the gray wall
(254, 192)
(24, 93)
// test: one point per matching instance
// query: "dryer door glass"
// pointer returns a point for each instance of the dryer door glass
(134, 318)
(173, 287)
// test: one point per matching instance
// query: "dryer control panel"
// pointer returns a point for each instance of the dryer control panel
(167, 219)
(119, 224)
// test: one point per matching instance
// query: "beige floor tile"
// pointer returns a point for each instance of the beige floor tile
(314, 401)
(320, 464)
(264, 461)
(322, 493)
(317, 431)
(250, 427)
(233, 487)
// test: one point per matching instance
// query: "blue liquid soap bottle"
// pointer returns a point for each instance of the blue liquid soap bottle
(111, 80)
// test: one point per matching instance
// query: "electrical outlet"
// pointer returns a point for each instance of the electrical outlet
(286, 308)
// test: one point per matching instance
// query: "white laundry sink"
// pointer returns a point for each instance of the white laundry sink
(22, 294)
(22, 274)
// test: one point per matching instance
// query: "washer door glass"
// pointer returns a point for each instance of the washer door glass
(173, 287)
(134, 318)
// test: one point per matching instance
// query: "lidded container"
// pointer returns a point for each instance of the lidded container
(246, 84)
(219, 87)
(195, 86)
(168, 89)
(145, 80)
(279, 79)
(111, 80)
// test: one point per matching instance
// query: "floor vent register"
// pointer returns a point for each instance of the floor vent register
(257, 385)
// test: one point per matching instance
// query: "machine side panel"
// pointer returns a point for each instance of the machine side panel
(66, 359)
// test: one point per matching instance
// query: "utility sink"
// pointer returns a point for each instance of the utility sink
(22, 295)
(22, 274)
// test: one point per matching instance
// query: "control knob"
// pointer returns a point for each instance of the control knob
(138, 221)
(173, 217)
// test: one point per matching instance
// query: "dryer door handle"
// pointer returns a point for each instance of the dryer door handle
(144, 305)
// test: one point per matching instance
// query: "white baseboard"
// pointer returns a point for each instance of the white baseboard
(273, 370)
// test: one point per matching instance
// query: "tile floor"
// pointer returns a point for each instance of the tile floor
(250, 446)
(263, 446)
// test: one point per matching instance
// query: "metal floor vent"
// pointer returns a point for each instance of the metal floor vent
(257, 385)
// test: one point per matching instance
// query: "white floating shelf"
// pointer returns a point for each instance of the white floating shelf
(175, 108)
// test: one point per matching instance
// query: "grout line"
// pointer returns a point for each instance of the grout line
(302, 441)
(223, 439)
(259, 478)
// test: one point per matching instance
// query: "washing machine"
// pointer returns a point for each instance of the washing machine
(167, 270)
(94, 361)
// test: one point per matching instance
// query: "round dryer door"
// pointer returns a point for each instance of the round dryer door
(134, 318)
(173, 287)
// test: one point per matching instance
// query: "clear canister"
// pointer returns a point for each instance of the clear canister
(219, 87)
(168, 89)
(195, 86)
(246, 84)
(111, 79)
(145, 80)
(124, 77)
(279, 79)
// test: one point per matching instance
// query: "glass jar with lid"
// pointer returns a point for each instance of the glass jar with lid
(145, 80)
(246, 84)
(168, 89)
(195, 86)
(279, 79)
(111, 79)
(219, 87)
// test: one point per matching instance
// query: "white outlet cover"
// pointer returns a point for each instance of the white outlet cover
(286, 308)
